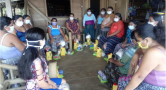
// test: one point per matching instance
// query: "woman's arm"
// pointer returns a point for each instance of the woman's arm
(49, 33)
(96, 22)
(78, 27)
(149, 62)
(113, 34)
(84, 21)
(62, 34)
(118, 63)
(16, 42)
(67, 25)
(94, 18)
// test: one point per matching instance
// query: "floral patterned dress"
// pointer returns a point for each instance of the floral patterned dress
(73, 25)
(31, 84)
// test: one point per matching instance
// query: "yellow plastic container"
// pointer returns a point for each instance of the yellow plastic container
(109, 55)
(115, 86)
(75, 45)
(63, 51)
(89, 41)
(97, 42)
(49, 55)
(95, 47)
(98, 52)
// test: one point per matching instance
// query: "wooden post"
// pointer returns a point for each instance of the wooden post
(25, 6)
(8, 8)
(52, 69)
(70, 40)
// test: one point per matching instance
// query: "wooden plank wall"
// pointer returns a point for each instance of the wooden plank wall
(38, 20)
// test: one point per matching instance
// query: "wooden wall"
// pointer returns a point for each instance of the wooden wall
(78, 7)
(38, 20)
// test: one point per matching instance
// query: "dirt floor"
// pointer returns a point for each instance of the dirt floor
(81, 70)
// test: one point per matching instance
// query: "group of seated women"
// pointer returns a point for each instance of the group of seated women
(147, 42)
(22, 44)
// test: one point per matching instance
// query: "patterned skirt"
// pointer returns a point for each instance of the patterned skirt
(104, 31)
(11, 61)
(111, 43)
(112, 74)
(89, 29)
(57, 39)
(119, 46)
(123, 82)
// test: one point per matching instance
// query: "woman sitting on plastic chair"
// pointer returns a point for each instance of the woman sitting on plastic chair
(32, 66)
(56, 35)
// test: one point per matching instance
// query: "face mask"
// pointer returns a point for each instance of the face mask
(41, 46)
(131, 27)
(19, 23)
(139, 44)
(71, 18)
(102, 13)
(27, 21)
(11, 29)
(89, 13)
(54, 23)
(116, 19)
(109, 12)
(151, 23)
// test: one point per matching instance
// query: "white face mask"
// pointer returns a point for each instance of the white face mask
(41, 46)
(71, 18)
(11, 29)
(27, 21)
(116, 19)
(109, 12)
(89, 13)
(19, 23)
(151, 23)
(102, 13)
(131, 27)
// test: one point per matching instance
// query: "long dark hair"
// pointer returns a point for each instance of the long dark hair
(156, 33)
(30, 53)
(4, 21)
(158, 18)
(16, 17)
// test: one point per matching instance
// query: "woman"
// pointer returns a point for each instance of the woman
(115, 69)
(155, 20)
(56, 36)
(128, 42)
(114, 36)
(20, 29)
(89, 24)
(32, 66)
(11, 47)
(99, 20)
(27, 22)
(73, 25)
(108, 20)
(151, 72)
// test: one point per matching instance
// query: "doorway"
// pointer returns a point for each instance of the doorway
(95, 6)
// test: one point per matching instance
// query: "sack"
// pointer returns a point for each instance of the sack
(119, 54)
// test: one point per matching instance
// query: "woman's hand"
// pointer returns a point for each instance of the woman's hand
(54, 86)
(84, 27)
(52, 41)
(124, 45)
(65, 39)
(102, 26)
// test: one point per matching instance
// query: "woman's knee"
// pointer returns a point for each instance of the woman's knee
(63, 81)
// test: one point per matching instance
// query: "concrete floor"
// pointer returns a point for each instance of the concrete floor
(81, 69)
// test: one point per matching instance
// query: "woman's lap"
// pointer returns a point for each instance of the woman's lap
(58, 82)
(123, 82)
